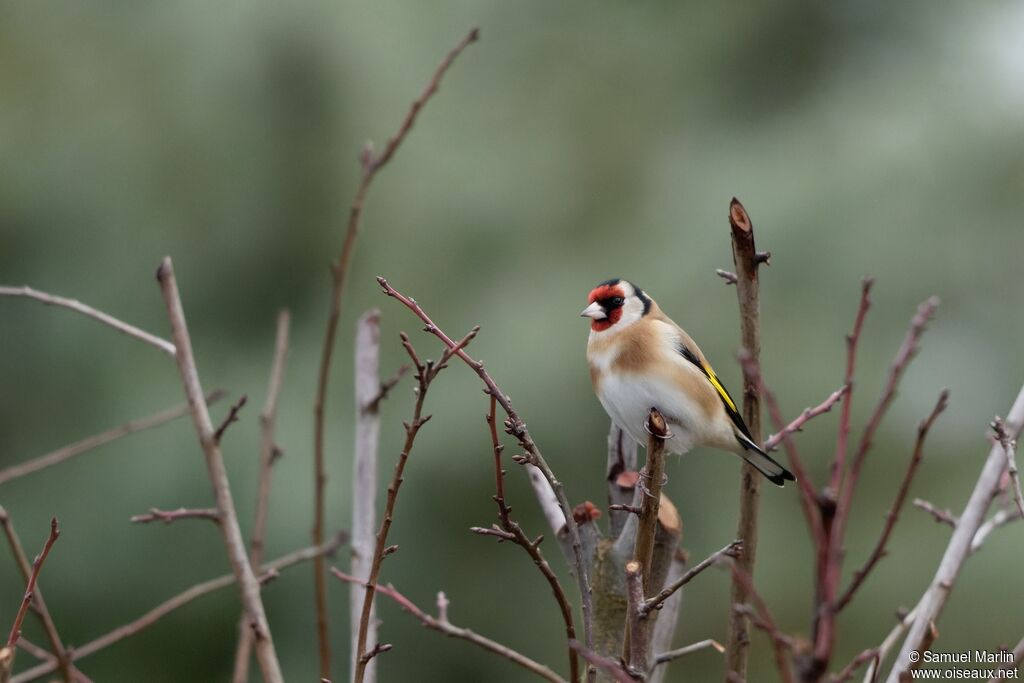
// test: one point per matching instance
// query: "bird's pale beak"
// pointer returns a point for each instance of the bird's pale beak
(594, 311)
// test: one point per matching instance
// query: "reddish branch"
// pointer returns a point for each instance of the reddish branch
(37, 566)
(370, 164)
(897, 504)
(831, 560)
(183, 598)
(38, 603)
(231, 418)
(797, 425)
(651, 482)
(512, 531)
(762, 617)
(441, 624)
(425, 374)
(517, 427)
(746, 260)
(168, 516)
(67, 452)
(839, 461)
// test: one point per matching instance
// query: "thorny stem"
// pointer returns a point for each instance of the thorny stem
(339, 271)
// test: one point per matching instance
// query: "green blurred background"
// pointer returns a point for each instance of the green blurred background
(575, 142)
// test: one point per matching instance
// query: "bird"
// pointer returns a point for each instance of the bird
(640, 359)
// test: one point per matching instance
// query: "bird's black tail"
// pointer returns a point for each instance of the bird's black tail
(764, 463)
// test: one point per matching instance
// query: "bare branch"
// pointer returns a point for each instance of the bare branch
(671, 655)
(809, 413)
(424, 376)
(747, 261)
(652, 478)
(78, 448)
(268, 455)
(38, 603)
(233, 543)
(621, 459)
(183, 598)
(781, 643)
(1009, 445)
(339, 270)
(852, 339)
(232, 417)
(368, 393)
(733, 550)
(1018, 657)
(941, 516)
(7, 653)
(727, 275)
(168, 516)
(903, 623)
(897, 504)
(637, 625)
(934, 599)
(511, 530)
(442, 625)
(1000, 518)
(613, 667)
(517, 427)
(79, 307)
(869, 655)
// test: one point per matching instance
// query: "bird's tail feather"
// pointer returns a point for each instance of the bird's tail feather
(764, 463)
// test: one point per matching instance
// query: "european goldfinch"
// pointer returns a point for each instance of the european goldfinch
(639, 359)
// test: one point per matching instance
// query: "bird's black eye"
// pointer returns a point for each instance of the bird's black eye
(612, 302)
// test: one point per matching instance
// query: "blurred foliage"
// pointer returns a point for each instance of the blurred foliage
(576, 142)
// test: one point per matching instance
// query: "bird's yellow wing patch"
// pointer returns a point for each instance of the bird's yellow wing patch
(726, 398)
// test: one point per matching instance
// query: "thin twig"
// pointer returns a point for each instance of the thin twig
(671, 655)
(852, 339)
(1018, 657)
(163, 609)
(733, 550)
(869, 655)
(830, 563)
(809, 413)
(622, 458)
(941, 516)
(902, 624)
(233, 542)
(747, 261)
(1009, 445)
(615, 668)
(339, 271)
(38, 603)
(512, 531)
(781, 644)
(727, 275)
(89, 443)
(517, 428)
(442, 625)
(37, 566)
(959, 547)
(897, 505)
(168, 516)
(1000, 518)
(424, 376)
(231, 418)
(53, 300)
(269, 451)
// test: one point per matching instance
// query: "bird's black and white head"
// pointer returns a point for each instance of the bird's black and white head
(615, 304)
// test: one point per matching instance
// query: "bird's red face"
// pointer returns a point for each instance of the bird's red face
(605, 307)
